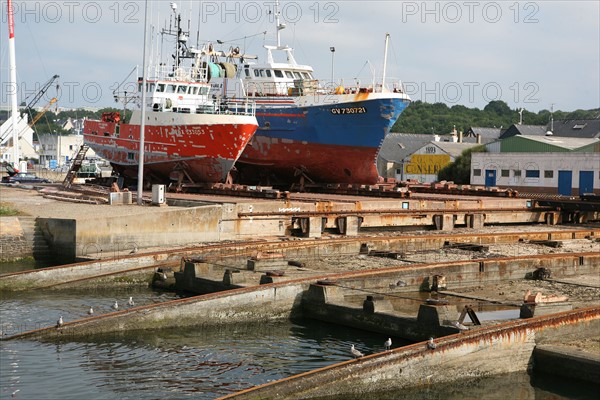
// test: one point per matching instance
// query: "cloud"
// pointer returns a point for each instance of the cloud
(552, 44)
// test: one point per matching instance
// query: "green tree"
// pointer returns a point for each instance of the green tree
(427, 118)
(460, 170)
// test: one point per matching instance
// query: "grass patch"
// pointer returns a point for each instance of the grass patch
(6, 210)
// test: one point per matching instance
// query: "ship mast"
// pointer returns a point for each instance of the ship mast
(385, 54)
(140, 183)
(13, 83)
(280, 26)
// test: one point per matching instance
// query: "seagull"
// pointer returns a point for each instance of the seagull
(90, 311)
(135, 250)
(14, 394)
(116, 305)
(130, 302)
(60, 322)
(430, 344)
(388, 343)
(459, 326)
(355, 352)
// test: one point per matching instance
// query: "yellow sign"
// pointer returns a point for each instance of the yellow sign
(426, 164)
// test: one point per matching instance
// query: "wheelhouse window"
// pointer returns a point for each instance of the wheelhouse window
(278, 73)
(193, 90)
(182, 89)
(256, 73)
(268, 73)
(297, 75)
(170, 88)
(247, 72)
(289, 74)
(160, 88)
(305, 75)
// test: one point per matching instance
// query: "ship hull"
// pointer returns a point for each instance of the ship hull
(334, 141)
(199, 147)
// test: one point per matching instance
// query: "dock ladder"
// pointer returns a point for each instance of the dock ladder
(75, 166)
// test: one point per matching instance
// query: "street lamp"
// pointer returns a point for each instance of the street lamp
(332, 49)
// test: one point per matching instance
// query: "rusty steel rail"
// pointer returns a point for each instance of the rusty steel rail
(395, 212)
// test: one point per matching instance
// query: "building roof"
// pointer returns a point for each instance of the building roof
(397, 146)
(487, 134)
(568, 143)
(580, 128)
(454, 149)
(529, 130)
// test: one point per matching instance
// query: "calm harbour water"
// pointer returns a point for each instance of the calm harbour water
(198, 363)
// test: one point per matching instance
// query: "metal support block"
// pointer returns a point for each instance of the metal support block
(444, 222)
(348, 225)
(475, 221)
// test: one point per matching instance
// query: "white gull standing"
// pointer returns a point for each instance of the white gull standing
(431, 344)
(130, 302)
(60, 322)
(355, 352)
(388, 344)
(116, 305)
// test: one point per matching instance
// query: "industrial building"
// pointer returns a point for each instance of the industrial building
(546, 164)
(405, 156)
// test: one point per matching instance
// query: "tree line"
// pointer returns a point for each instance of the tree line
(419, 117)
(438, 118)
(51, 121)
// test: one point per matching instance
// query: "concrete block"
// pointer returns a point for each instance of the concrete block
(438, 282)
(190, 271)
(567, 362)
(253, 264)
(322, 293)
(120, 198)
(431, 317)
(535, 310)
(311, 227)
(233, 277)
(348, 225)
(377, 304)
(444, 222)
(315, 227)
(475, 221)
(551, 218)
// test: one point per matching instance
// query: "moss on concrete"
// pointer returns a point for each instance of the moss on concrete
(7, 210)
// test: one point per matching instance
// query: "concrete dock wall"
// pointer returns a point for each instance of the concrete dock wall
(567, 362)
(61, 236)
(13, 243)
(485, 352)
(109, 236)
(466, 272)
(170, 227)
(268, 302)
(49, 277)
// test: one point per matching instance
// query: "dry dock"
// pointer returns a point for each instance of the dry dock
(346, 260)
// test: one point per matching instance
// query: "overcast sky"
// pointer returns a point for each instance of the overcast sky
(530, 54)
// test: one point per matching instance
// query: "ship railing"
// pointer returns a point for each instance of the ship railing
(304, 87)
(353, 86)
(243, 108)
(181, 74)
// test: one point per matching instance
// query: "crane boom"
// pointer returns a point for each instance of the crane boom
(42, 112)
(42, 91)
